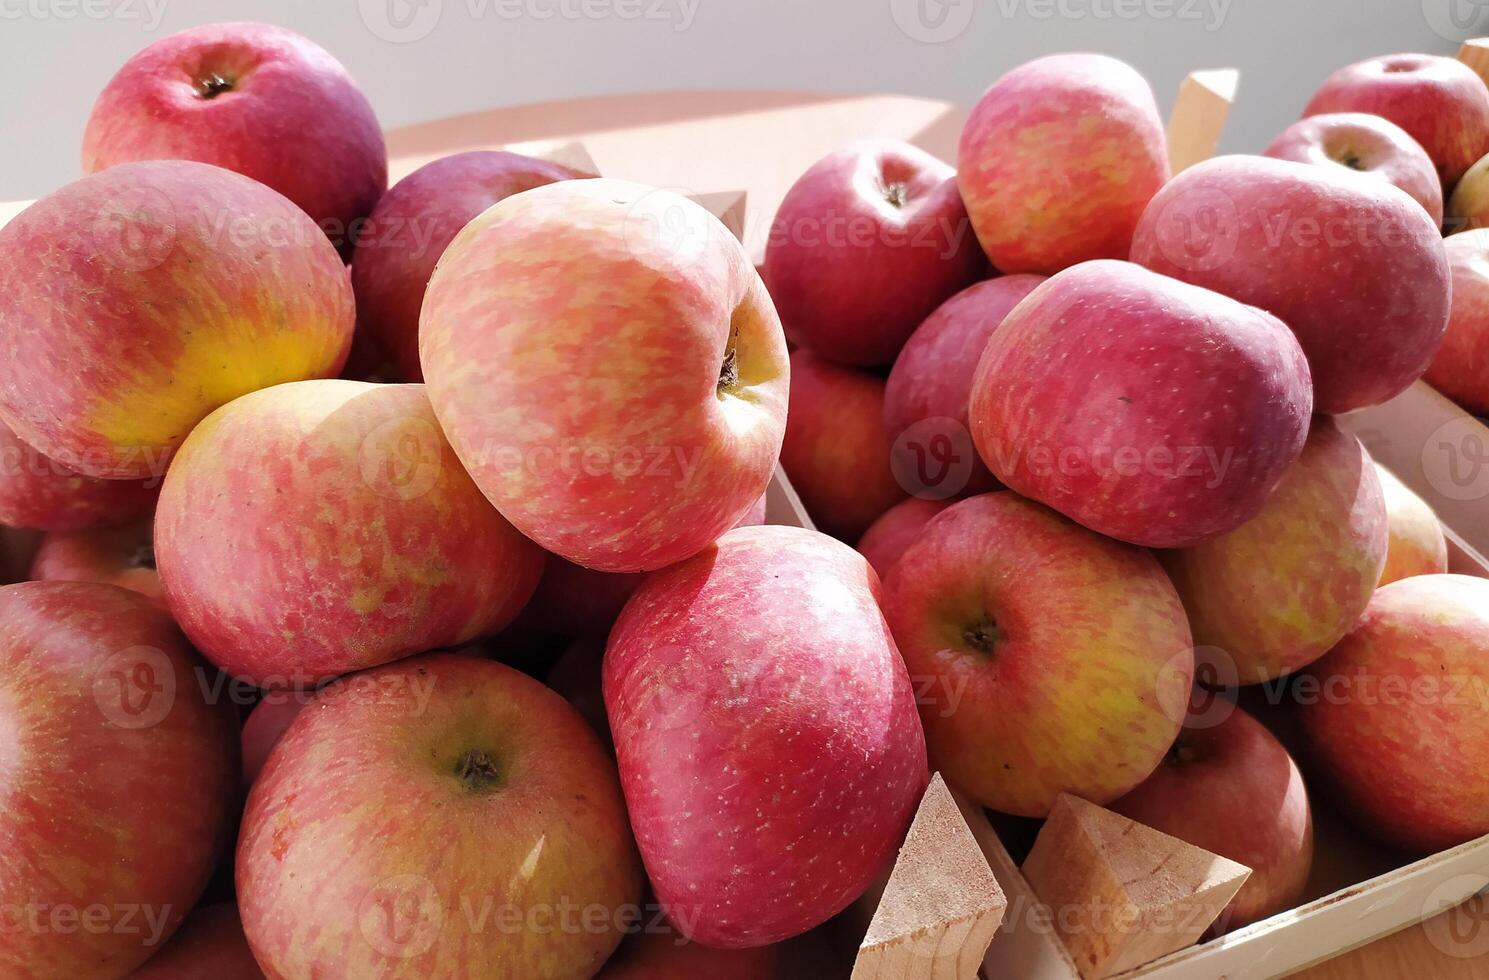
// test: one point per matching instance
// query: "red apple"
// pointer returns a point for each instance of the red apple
(263, 727)
(1047, 659)
(41, 493)
(766, 734)
(186, 286)
(122, 556)
(1231, 788)
(476, 826)
(209, 946)
(626, 424)
(313, 529)
(1458, 369)
(118, 776)
(896, 530)
(654, 954)
(1277, 592)
(926, 397)
(410, 229)
(1146, 409)
(865, 245)
(1058, 160)
(1365, 144)
(1438, 100)
(1417, 543)
(1355, 268)
(835, 452)
(254, 98)
(1395, 714)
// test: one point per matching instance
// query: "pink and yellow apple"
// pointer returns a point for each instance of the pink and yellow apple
(317, 528)
(1396, 723)
(186, 286)
(1230, 787)
(1058, 160)
(122, 556)
(896, 530)
(930, 386)
(1047, 659)
(413, 224)
(1365, 144)
(477, 827)
(1146, 409)
(1417, 543)
(766, 734)
(865, 245)
(1459, 368)
(1277, 592)
(253, 98)
(608, 366)
(1355, 268)
(835, 453)
(209, 946)
(1468, 207)
(119, 780)
(41, 493)
(1439, 101)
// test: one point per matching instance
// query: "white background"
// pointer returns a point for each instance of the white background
(452, 56)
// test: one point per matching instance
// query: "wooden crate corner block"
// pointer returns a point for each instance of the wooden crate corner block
(1475, 54)
(942, 904)
(1198, 118)
(1122, 894)
(727, 206)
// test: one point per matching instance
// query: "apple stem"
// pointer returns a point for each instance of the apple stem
(729, 372)
(896, 193)
(477, 771)
(212, 85)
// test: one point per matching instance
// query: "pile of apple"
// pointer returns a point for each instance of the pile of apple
(734, 722)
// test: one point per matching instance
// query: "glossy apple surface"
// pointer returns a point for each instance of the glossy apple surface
(1458, 368)
(42, 494)
(1417, 543)
(1364, 144)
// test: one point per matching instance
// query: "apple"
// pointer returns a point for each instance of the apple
(477, 828)
(209, 944)
(256, 99)
(186, 286)
(1365, 144)
(1278, 592)
(1438, 100)
(1229, 787)
(865, 245)
(1458, 369)
(1146, 409)
(896, 530)
(926, 397)
(41, 493)
(608, 366)
(1396, 720)
(119, 779)
(663, 955)
(264, 726)
(1355, 268)
(1468, 207)
(766, 734)
(1058, 160)
(1417, 543)
(413, 224)
(835, 451)
(122, 556)
(1047, 659)
(312, 529)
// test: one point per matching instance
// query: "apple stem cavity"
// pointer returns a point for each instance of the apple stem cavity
(211, 85)
(477, 771)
